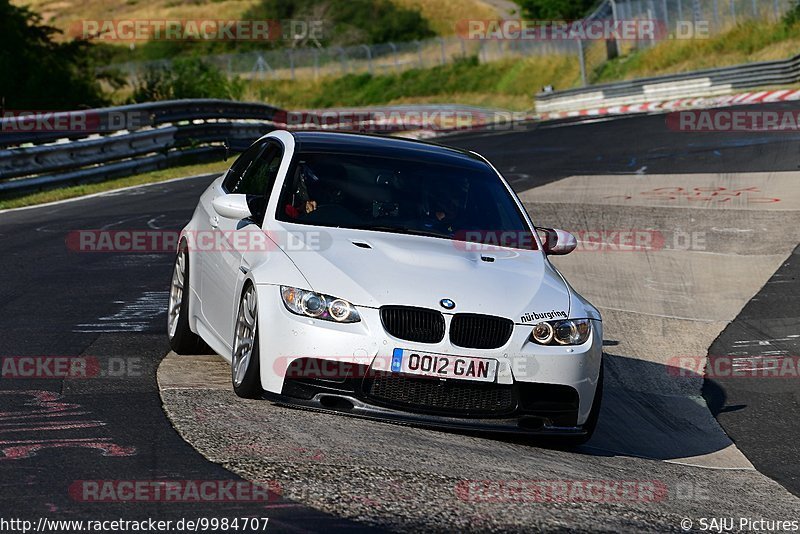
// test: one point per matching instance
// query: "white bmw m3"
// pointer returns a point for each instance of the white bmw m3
(390, 279)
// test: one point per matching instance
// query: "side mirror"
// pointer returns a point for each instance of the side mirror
(557, 242)
(233, 206)
(227, 149)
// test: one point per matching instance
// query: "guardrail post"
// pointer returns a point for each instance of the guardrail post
(776, 10)
(444, 56)
(291, 61)
(716, 15)
(680, 10)
(343, 59)
(612, 47)
(369, 57)
(733, 11)
(316, 63)
(394, 54)
(260, 68)
(419, 53)
(582, 61)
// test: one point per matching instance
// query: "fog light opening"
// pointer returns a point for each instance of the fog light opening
(336, 403)
(531, 423)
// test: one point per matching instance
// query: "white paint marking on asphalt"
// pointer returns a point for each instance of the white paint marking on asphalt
(152, 223)
(661, 315)
(136, 316)
(676, 461)
(107, 193)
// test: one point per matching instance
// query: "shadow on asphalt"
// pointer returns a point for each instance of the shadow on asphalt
(669, 424)
(662, 425)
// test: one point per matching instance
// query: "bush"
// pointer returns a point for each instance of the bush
(40, 74)
(186, 78)
(556, 9)
(349, 22)
(792, 17)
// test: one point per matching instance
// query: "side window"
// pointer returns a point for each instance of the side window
(257, 178)
(240, 166)
(260, 176)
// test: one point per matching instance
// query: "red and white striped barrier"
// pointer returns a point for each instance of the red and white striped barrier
(780, 95)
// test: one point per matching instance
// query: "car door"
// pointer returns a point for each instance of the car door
(236, 240)
(205, 255)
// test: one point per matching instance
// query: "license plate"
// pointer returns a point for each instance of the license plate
(443, 366)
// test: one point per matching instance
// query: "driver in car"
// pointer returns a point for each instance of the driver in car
(301, 203)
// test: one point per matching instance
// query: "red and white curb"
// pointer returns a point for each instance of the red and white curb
(781, 95)
(428, 121)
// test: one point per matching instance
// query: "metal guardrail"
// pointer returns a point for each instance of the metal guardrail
(47, 149)
(709, 82)
(50, 149)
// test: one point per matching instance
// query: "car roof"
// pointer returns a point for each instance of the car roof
(378, 145)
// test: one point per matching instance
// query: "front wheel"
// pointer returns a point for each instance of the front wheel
(181, 338)
(245, 374)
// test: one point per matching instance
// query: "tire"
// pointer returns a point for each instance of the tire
(181, 338)
(245, 368)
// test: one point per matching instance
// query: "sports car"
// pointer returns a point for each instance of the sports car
(387, 278)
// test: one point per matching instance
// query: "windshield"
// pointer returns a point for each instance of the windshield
(462, 202)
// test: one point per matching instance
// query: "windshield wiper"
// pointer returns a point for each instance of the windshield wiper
(403, 230)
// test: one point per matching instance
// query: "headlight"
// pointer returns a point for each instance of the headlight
(319, 306)
(569, 332)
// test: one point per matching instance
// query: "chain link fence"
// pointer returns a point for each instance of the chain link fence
(673, 17)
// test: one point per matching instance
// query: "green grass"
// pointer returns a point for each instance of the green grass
(510, 83)
(162, 175)
(747, 42)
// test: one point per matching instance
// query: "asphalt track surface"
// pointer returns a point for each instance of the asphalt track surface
(110, 306)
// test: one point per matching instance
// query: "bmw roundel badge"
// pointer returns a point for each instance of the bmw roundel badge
(447, 304)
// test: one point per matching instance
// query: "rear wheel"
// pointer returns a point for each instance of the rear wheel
(181, 338)
(245, 374)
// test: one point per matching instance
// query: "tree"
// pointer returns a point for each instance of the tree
(349, 22)
(189, 77)
(39, 73)
(556, 9)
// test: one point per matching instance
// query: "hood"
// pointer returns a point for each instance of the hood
(374, 269)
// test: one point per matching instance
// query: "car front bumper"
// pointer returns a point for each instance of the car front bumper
(551, 388)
